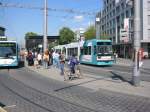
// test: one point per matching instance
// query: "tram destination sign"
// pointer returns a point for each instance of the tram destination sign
(7, 44)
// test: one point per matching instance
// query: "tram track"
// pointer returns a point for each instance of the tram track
(41, 99)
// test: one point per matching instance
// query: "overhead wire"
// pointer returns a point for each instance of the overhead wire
(72, 11)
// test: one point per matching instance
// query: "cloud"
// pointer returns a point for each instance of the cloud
(78, 18)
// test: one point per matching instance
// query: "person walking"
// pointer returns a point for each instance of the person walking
(56, 58)
(46, 59)
(73, 61)
(39, 57)
(62, 62)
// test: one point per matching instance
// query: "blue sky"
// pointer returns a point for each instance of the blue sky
(18, 21)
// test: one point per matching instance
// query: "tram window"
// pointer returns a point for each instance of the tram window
(89, 50)
(85, 50)
(94, 49)
(82, 51)
(103, 43)
(76, 51)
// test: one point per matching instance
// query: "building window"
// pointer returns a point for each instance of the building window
(132, 12)
(118, 9)
(127, 14)
(148, 33)
(148, 5)
(122, 6)
(148, 19)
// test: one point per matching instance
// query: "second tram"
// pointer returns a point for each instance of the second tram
(95, 52)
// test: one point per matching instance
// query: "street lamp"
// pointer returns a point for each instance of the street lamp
(137, 43)
(136, 40)
(45, 27)
(98, 26)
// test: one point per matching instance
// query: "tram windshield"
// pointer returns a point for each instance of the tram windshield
(104, 49)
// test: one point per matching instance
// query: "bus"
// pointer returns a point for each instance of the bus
(97, 52)
(9, 54)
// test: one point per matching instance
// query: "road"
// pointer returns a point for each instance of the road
(115, 71)
(24, 91)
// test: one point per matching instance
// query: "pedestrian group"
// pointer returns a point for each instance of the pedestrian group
(55, 59)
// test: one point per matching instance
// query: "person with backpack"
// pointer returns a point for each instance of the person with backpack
(73, 62)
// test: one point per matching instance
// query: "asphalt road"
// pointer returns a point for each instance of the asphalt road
(115, 71)
(21, 90)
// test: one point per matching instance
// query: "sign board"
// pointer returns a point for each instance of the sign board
(124, 35)
(126, 24)
(97, 19)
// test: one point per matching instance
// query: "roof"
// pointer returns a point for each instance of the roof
(40, 37)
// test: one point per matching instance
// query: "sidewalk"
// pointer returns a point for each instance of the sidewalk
(129, 62)
(96, 83)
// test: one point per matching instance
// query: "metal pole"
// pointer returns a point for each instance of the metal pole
(137, 44)
(98, 26)
(45, 27)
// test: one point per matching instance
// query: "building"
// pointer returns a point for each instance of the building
(2, 31)
(116, 21)
(79, 34)
(36, 42)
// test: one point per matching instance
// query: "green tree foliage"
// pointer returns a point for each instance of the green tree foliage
(90, 33)
(29, 34)
(66, 36)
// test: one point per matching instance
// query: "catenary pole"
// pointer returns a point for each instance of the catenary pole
(137, 44)
(45, 26)
(98, 26)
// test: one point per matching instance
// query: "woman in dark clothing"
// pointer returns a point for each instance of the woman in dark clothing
(30, 59)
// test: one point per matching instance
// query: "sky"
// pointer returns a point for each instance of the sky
(19, 21)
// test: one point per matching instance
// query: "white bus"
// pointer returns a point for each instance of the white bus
(8, 54)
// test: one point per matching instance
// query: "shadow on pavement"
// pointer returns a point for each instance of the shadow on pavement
(118, 77)
(75, 85)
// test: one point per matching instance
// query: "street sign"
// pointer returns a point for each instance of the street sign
(124, 37)
(126, 24)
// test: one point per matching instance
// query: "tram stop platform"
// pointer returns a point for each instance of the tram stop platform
(96, 83)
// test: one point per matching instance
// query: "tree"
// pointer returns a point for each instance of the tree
(90, 33)
(66, 36)
(29, 34)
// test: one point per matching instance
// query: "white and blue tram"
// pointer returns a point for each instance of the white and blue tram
(95, 52)
(69, 49)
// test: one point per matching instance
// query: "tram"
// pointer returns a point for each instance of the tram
(95, 52)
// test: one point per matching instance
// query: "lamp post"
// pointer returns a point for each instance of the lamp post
(137, 44)
(45, 26)
(98, 26)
